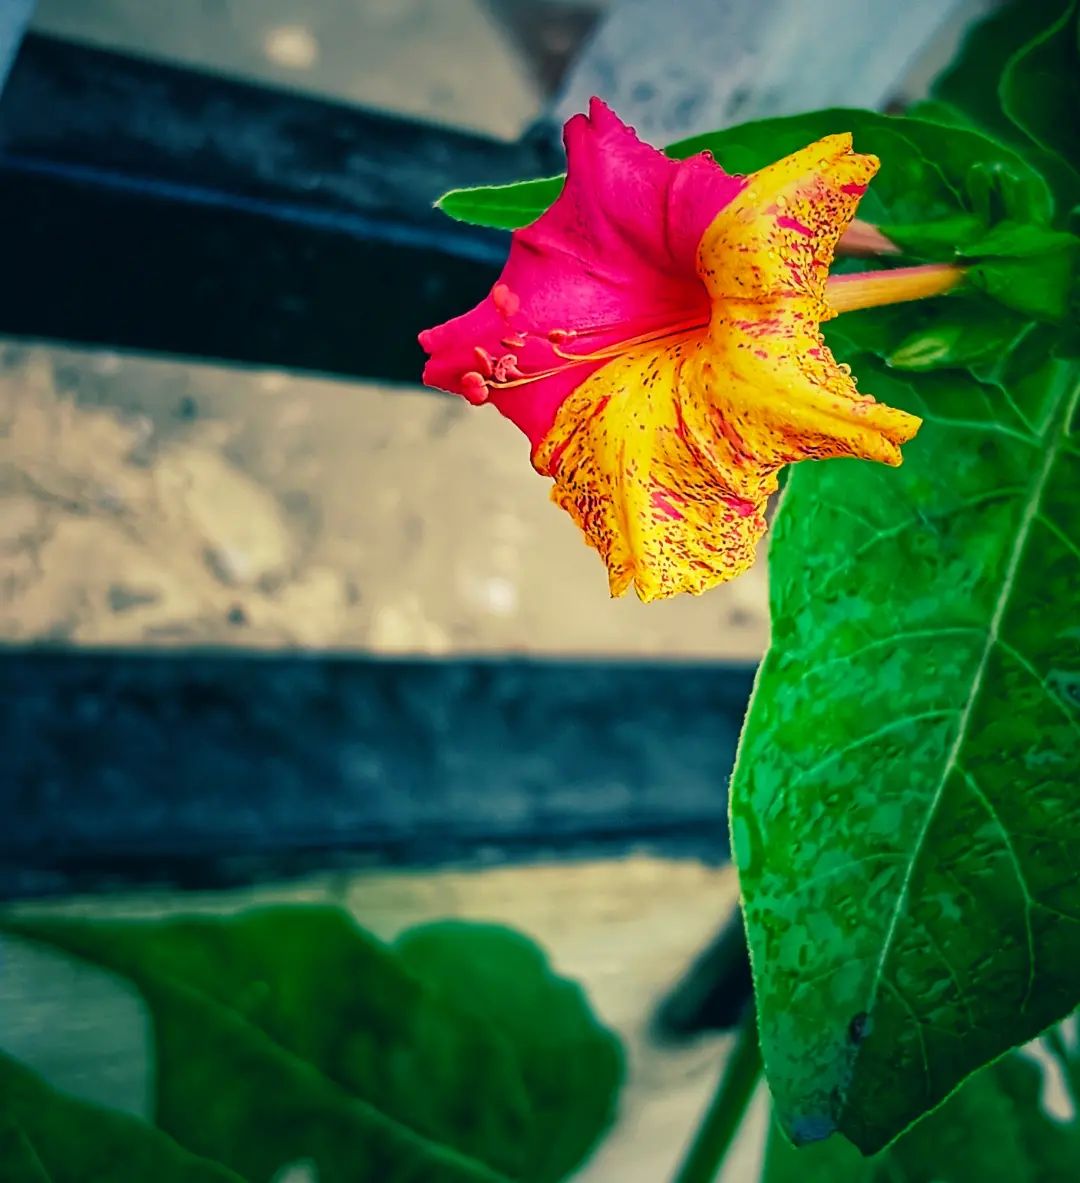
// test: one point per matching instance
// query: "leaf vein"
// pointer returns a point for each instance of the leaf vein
(1025, 890)
(870, 737)
(1059, 533)
(1030, 669)
(918, 634)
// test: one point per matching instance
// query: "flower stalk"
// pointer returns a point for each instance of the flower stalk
(871, 289)
(722, 1119)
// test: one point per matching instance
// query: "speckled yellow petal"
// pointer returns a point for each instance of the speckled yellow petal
(778, 236)
(647, 495)
(666, 456)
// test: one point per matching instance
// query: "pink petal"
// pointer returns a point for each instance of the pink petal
(614, 257)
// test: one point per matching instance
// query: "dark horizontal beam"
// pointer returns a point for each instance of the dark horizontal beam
(121, 768)
(156, 208)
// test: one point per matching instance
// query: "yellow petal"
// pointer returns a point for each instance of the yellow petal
(666, 456)
(646, 496)
(778, 236)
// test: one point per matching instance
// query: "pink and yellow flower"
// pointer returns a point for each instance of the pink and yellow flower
(656, 336)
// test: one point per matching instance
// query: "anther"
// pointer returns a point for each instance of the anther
(484, 360)
(506, 368)
(474, 388)
(505, 301)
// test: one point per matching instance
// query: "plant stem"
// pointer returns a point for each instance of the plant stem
(725, 1112)
(871, 289)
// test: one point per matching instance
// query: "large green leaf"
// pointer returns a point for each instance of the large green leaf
(46, 1137)
(288, 1033)
(905, 807)
(570, 1071)
(993, 1129)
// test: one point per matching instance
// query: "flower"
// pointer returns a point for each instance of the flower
(655, 334)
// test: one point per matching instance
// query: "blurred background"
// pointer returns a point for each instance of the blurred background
(280, 625)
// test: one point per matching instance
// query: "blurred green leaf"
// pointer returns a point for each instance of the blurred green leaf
(1016, 78)
(46, 1137)
(970, 84)
(570, 1069)
(1040, 87)
(993, 1129)
(904, 809)
(289, 1033)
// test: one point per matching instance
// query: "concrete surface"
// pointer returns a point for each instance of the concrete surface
(159, 503)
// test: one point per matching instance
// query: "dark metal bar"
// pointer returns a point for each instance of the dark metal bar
(156, 208)
(122, 767)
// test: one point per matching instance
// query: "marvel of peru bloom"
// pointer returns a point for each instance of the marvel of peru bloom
(656, 336)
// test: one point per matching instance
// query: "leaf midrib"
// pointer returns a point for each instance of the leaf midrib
(1057, 420)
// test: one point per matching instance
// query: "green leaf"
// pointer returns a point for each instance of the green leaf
(316, 1041)
(937, 240)
(1016, 77)
(904, 808)
(993, 1129)
(970, 84)
(1030, 269)
(1041, 288)
(46, 1137)
(956, 333)
(926, 167)
(503, 207)
(502, 979)
(940, 111)
(1040, 87)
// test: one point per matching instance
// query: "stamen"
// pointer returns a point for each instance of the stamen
(474, 387)
(506, 373)
(620, 347)
(506, 367)
(864, 238)
(506, 302)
